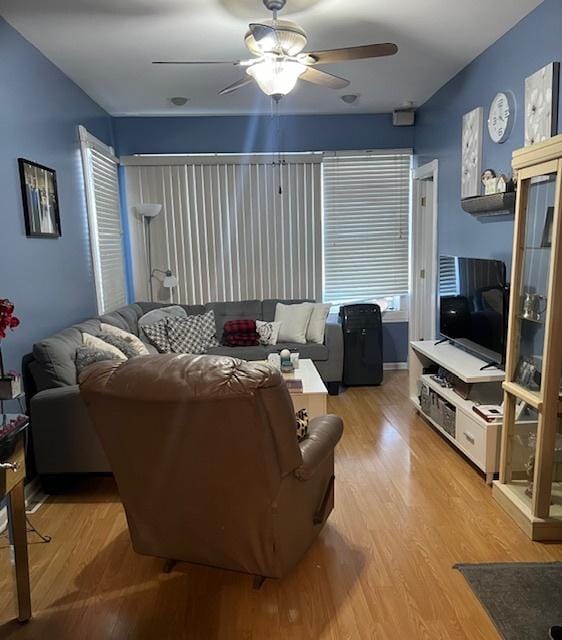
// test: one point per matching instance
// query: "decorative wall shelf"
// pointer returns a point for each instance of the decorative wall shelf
(497, 204)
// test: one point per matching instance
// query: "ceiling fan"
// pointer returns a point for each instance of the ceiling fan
(280, 61)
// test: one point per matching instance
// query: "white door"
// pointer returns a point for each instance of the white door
(424, 253)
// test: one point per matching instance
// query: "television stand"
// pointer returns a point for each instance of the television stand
(448, 412)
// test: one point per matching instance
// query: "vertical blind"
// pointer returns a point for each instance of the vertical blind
(104, 218)
(366, 224)
(225, 230)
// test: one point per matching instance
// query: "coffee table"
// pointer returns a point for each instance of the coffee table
(314, 396)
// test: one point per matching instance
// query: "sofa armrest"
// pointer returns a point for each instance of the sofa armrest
(64, 440)
(333, 339)
(324, 433)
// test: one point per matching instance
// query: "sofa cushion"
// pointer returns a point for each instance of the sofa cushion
(55, 355)
(294, 319)
(125, 318)
(190, 309)
(225, 311)
(243, 353)
(269, 306)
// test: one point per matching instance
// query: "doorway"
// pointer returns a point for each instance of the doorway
(423, 314)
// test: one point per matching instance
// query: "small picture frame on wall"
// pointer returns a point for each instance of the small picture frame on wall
(40, 200)
(546, 241)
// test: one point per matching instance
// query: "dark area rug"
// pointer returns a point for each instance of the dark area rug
(523, 599)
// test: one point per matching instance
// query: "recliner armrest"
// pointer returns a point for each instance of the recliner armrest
(324, 433)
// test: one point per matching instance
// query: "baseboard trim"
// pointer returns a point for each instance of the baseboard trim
(395, 366)
(34, 498)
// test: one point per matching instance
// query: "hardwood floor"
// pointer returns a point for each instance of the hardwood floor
(408, 508)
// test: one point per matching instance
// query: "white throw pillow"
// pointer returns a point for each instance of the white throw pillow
(294, 319)
(91, 341)
(268, 331)
(152, 317)
(136, 343)
(317, 324)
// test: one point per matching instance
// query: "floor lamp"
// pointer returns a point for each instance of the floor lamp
(148, 212)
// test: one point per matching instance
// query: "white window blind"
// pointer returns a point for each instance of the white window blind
(225, 230)
(104, 218)
(366, 224)
(448, 276)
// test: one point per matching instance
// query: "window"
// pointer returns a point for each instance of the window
(104, 219)
(366, 226)
(226, 230)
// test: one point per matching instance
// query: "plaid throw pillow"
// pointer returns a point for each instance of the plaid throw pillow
(157, 333)
(241, 340)
(186, 335)
(244, 325)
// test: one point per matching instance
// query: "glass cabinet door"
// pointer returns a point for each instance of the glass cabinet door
(531, 299)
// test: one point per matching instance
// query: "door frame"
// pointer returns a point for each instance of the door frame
(430, 173)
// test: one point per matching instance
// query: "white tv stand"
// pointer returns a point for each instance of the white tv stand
(478, 440)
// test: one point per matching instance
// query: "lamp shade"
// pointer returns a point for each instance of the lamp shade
(147, 210)
(276, 76)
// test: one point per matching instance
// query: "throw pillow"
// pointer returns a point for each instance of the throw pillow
(317, 324)
(244, 325)
(121, 344)
(152, 317)
(294, 319)
(208, 329)
(302, 424)
(241, 339)
(135, 342)
(85, 356)
(91, 341)
(157, 333)
(268, 331)
(186, 335)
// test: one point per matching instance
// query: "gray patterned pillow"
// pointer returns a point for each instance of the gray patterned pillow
(209, 329)
(85, 356)
(122, 344)
(157, 333)
(186, 335)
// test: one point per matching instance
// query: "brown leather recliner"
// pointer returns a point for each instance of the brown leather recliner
(205, 455)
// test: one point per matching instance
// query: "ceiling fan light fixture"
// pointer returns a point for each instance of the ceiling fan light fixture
(276, 76)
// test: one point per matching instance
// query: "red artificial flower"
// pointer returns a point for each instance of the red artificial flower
(7, 318)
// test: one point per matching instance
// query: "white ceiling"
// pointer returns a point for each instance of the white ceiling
(106, 47)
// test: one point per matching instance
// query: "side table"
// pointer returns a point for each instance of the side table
(12, 477)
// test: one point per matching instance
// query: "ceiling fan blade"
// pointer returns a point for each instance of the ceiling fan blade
(324, 79)
(236, 85)
(234, 62)
(354, 53)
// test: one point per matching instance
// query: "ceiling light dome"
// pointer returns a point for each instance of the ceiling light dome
(276, 76)
(290, 36)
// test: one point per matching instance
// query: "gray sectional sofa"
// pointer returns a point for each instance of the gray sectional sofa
(63, 438)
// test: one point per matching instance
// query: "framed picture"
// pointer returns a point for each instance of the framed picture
(471, 169)
(40, 200)
(547, 230)
(541, 104)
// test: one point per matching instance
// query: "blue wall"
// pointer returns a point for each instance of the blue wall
(50, 281)
(258, 134)
(531, 44)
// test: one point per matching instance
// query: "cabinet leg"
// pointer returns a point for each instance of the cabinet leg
(16, 515)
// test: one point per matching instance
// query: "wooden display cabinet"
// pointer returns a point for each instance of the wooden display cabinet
(530, 482)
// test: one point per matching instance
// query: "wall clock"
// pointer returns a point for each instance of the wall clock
(501, 117)
(541, 104)
(472, 125)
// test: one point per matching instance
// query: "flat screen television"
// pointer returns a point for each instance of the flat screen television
(473, 305)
